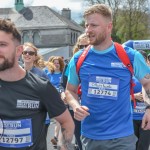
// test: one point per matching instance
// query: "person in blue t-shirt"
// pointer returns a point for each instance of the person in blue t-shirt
(105, 109)
(143, 136)
(53, 69)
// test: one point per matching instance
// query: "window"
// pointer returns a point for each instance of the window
(36, 38)
(26, 37)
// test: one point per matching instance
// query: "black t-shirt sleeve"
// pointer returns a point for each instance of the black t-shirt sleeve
(52, 101)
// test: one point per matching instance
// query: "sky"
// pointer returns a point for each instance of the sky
(76, 6)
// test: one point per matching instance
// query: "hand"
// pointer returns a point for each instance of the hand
(81, 112)
(146, 120)
(139, 96)
(63, 97)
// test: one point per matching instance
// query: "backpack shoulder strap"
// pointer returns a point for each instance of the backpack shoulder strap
(126, 61)
(80, 62)
(123, 56)
(82, 58)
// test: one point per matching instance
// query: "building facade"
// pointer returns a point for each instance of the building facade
(50, 31)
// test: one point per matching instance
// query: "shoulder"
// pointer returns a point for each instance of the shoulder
(134, 54)
(36, 70)
(39, 72)
(39, 84)
(34, 79)
(76, 56)
(130, 52)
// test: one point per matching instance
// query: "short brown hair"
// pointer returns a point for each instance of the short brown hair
(9, 27)
(102, 9)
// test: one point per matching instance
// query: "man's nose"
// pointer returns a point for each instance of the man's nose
(88, 29)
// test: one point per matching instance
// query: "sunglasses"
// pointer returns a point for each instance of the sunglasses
(31, 53)
(82, 46)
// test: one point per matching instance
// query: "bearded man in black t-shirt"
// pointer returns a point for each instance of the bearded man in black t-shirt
(25, 99)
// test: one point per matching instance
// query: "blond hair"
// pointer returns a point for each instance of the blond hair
(28, 44)
(50, 66)
(102, 9)
(39, 62)
(77, 45)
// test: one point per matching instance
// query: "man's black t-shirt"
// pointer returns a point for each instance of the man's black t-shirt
(23, 107)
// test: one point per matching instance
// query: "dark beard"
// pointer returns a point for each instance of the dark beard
(99, 39)
(7, 64)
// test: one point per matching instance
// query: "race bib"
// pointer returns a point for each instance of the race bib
(17, 133)
(103, 87)
(140, 108)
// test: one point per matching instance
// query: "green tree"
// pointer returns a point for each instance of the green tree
(130, 18)
(132, 22)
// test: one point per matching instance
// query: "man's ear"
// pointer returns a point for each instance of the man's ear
(19, 50)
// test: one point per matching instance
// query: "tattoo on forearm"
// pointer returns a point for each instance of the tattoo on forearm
(148, 93)
(147, 76)
(66, 140)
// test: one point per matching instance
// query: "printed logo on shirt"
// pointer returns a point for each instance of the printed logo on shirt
(117, 65)
(30, 104)
(103, 79)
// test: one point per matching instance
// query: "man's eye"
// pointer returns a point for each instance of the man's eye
(1, 44)
(93, 25)
(86, 25)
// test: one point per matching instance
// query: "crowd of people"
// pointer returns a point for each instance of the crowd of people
(92, 102)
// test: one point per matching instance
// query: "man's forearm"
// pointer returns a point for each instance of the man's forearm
(67, 129)
(72, 99)
(146, 89)
(147, 96)
(66, 139)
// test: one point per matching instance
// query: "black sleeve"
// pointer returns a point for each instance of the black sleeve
(52, 101)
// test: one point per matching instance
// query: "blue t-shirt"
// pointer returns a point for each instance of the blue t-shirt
(55, 78)
(105, 85)
(55, 81)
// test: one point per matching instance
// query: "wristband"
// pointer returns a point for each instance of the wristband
(148, 107)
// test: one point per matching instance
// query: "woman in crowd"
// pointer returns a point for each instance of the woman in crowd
(32, 60)
(53, 69)
(143, 136)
